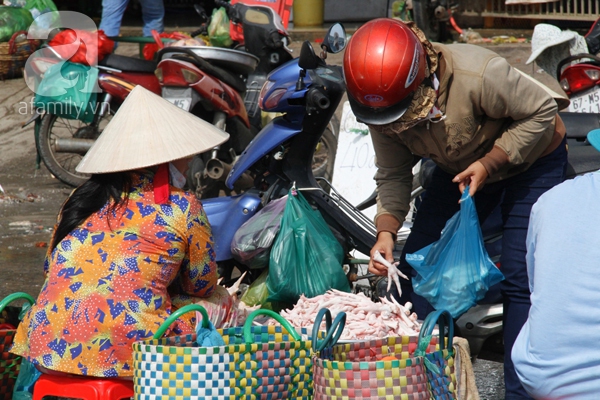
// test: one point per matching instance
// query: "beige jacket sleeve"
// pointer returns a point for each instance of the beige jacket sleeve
(394, 181)
(506, 93)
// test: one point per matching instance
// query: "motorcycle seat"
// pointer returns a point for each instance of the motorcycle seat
(222, 74)
(129, 64)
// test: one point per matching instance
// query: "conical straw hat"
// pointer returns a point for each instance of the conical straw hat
(148, 130)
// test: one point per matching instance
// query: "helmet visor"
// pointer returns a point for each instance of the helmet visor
(379, 115)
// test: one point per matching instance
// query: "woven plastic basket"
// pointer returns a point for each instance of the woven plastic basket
(406, 368)
(14, 54)
(10, 364)
(257, 362)
(357, 371)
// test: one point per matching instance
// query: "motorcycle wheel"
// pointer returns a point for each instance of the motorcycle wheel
(436, 31)
(324, 156)
(61, 164)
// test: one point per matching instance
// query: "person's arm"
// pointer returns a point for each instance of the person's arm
(394, 181)
(394, 186)
(506, 93)
(198, 274)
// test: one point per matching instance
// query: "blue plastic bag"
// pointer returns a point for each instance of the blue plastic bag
(28, 376)
(456, 271)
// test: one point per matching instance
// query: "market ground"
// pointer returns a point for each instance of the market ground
(30, 197)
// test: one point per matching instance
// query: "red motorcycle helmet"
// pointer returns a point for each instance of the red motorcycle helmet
(384, 63)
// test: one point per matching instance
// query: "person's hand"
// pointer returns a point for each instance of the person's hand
(385, 246)
(475, 175)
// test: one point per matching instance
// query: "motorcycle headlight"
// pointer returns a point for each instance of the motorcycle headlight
(271, 102)
(263, 92)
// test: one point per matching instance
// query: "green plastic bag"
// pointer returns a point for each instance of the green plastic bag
(40, 6)
(218, 29)
(257, 292)
(13, 19)
(306, 258)
(44, 12)
(67, 90)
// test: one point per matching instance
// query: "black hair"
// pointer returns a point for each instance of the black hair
(89, 198)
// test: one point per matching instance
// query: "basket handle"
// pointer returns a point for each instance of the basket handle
(12, 47)
(15, 296)
(178, 313)
(248, 324)
(333, 330)
(443, 319)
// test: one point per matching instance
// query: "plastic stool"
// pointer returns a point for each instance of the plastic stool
(82, 388)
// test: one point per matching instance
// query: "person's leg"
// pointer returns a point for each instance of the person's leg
(440, 203)
(112, 15)
(153, 14)
(521, 192)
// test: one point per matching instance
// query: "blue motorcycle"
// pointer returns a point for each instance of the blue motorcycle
(306, 92)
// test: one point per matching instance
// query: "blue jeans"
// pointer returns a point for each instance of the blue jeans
(515, 196)
(153, 13)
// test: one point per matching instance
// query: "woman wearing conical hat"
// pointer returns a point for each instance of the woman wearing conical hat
(123, 238)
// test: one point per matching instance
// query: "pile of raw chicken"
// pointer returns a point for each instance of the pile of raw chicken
(365, 319)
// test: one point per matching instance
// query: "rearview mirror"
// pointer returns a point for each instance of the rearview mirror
(335, 39)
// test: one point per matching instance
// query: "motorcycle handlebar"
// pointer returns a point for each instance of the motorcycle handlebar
(199, 31)
(316, 98)
(222, 3)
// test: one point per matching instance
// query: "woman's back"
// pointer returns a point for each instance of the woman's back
(107, 282)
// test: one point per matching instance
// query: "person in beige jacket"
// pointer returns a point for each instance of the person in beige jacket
(482, 122)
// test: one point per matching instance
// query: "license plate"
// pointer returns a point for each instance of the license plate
(182, 102)
(181, 97)
(587, 102)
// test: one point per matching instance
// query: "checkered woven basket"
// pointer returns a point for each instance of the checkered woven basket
(257, 362)
(357, 370)
(9, 363)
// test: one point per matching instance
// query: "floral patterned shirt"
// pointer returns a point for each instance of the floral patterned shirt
(106, 283)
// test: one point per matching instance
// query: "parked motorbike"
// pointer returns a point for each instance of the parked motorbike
(306, 91)
(210, 82)
(62, 141)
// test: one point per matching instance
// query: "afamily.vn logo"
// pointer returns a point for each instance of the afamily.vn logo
(46, 70)
(63, 74)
